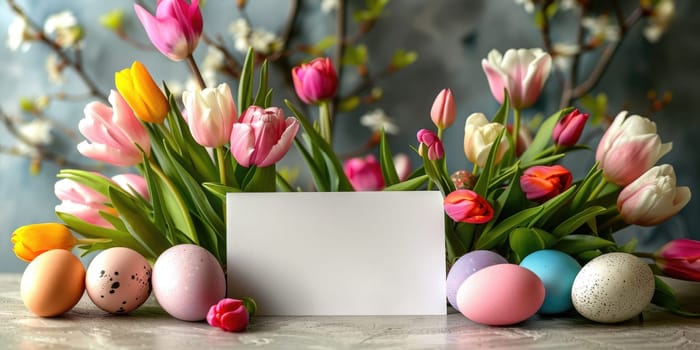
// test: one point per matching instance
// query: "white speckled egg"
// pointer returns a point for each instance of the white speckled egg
(118, 280)
(187, 281)
(613, 288)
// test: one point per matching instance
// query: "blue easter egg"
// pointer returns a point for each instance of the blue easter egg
(557, 270)
(465, 266)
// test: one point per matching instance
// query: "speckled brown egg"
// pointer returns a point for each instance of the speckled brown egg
(612, 288)
(118, 280)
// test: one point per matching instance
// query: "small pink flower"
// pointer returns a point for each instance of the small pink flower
(680, 259)
(175, 29)
(430, 140)
(315, 81)
(541, 183)
(568, 130)
(262, 136)
(629, 148)
(443, 112)
(522, 72)
(467, 206)
(82, 202)
(113, 133)
(134, 184)
(229, 315)
(365, 174)
(402, 163)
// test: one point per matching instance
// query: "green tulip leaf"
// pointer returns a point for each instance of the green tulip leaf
(524, 241)
(245, 85)
(319, 180)
(499, 232)
(550, 207)
(219, 190)
(386, 160)
(262, 87)
(572, 223)
(117, 238)
(139, 225)
(482, 183)
(665, 297)
(409, 185)
(501, 116)
(576, 244)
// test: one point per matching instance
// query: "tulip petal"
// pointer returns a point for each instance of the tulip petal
(283, 144)
(243, 143)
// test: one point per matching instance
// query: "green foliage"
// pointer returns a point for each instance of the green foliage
(372, 12)
(403, 58)
(355, 55)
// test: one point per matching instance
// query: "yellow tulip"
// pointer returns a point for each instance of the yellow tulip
(142, 94)
(31, 240)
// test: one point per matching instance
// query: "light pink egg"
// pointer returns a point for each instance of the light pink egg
(118, 280)
(500, 295)
(187, 281)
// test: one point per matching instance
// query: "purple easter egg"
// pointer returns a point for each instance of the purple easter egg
(465, 266)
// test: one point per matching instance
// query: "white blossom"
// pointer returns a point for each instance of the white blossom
(563, 55)
(528, 4)
(54, 68)
(377, 120)
(19, 34)
(660, 19)
(260, 40)
(601, 28)
(65, 29)
(327, 6)
(214, 59)
(37, 133)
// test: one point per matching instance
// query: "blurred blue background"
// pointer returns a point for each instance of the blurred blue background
(451, 37)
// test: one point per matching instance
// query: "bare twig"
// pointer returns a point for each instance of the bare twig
(340, 32)
(73, 63)
(573, 74)
(232, 67)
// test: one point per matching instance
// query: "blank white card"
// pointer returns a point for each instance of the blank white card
(349, 253)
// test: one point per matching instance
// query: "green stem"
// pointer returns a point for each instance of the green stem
(440, 131)
(195, 71)
(612, 221)
(221, 160)
(516, 127)
(325, 122)
(598, 189)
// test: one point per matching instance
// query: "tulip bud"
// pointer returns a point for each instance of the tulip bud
(175, 29)
(467, 206)
(315, 81)
(210, 115)
(31, 240)
(262, 136)
(479, 136)
(522, 72)
(430, 140)
(83, 202)
(680, 259)
(443, 112)
(628, 148)
(541, 183)
(402, 163)
(229, 315)
(365, 174)
(652, 198)
(142, 94)
(568, 130)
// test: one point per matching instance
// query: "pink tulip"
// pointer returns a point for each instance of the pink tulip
(430, 140)
(467, 206)
(629, 148)
(568, 130)
(134, 184)
(82, 202)
(652, 198)
(402, 163)
(262, 136)
(175, 29)
(113, 133)
(443, 112)
(315, 81)
(522, 72)
(229, 315)
(365, 174)
(680, 259)
(210, 115)
(541, 183)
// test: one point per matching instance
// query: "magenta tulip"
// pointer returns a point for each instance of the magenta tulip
(522, 72)
(229, 315)
(568, 130)
(175, 29)
(365, 174)
(467, 206)
(82, 202)
(262, 136)
(114, 134)
(541, 183)
(210, 115)
(430, 140)
(315, 81)
(652, 198)
(443, 112)
(680, 259)
(629, 148)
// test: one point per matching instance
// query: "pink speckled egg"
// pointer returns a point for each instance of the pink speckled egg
(118, 280)
(500, 295)
(187, 280)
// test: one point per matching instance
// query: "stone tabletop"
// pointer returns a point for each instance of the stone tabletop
(86, 327)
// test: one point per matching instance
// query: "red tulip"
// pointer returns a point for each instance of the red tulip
(467, 206)
(315, 81)
(568, 130)
(229, 315)
(680, 259)
(541, 183)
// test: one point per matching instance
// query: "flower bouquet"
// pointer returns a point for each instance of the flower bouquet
(160, 225)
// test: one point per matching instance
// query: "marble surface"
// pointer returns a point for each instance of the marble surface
(86, 327)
